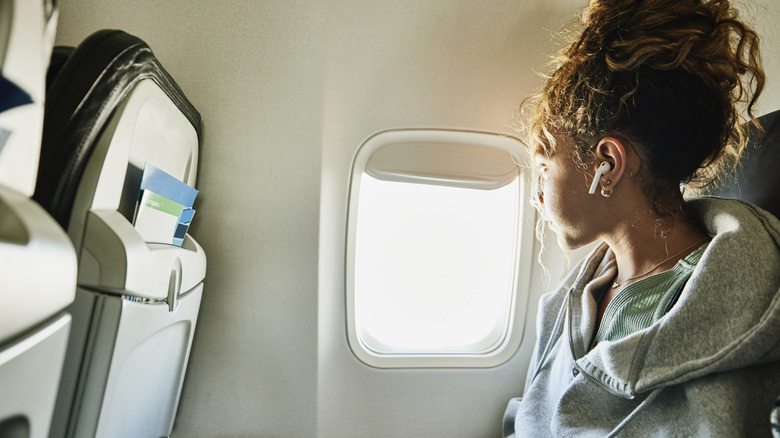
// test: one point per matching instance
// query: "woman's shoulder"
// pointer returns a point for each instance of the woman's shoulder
(712, 211)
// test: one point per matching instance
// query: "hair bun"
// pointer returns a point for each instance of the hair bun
(669, 34)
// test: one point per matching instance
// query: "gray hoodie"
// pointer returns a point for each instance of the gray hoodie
(710, 367)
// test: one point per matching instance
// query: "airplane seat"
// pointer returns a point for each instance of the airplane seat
(59, 55)
(38, 262)
(113, 116)
(757, 178)
(756, 181)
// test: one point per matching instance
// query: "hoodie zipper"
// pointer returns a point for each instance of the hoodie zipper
(556, 333)
(581, 370)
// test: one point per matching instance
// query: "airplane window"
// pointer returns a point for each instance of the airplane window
(434, 266)
(436, 231)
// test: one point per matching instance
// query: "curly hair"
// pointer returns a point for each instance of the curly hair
(670, 77)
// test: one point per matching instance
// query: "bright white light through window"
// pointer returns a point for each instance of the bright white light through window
(434, 266)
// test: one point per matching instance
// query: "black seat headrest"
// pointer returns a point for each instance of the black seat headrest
(59, 56)
(757, 179)
(85, 86)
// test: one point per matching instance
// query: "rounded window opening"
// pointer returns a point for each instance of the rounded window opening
(438, 249)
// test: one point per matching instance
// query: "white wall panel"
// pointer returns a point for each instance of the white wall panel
(409, 63)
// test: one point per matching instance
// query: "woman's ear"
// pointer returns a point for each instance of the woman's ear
(614, 152)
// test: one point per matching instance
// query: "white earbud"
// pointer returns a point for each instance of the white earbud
(604, 167)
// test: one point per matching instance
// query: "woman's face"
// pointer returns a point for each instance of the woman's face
(563, 193)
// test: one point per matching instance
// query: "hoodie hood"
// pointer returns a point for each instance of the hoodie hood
(727, 317)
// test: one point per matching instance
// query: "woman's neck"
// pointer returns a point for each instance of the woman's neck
(641, 250)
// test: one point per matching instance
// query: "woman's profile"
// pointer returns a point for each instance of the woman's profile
(670, 326)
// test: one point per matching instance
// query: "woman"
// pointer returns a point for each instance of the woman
(670, 326)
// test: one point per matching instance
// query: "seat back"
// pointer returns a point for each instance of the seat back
(26, 39)
(37, 260)
(757, 178)
(112, 110)
(85, 91)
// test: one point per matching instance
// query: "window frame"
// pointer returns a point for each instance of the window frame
(512, 338)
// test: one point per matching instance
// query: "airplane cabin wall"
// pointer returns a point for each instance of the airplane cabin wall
(410, 63)
(288, 90)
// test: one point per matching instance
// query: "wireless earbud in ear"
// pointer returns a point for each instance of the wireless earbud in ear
(604, 167)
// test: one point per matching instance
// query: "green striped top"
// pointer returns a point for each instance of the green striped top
(642, 303)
